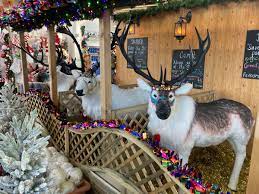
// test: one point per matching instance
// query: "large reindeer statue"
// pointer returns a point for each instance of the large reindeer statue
(183, 124)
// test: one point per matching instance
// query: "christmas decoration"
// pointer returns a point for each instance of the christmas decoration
(191, 178)
(88, 88)
(182, 121)
(34, 14)
(10, 105)
(91, 9)
(21, 158)
(7, 56)
(168, 5)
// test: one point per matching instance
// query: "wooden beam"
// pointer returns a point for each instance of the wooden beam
(253, 178)
(105, 63)
(52, 65)
(25, 80)
(136, 8)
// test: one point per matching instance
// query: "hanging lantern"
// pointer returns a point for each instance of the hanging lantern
(132, 29)
(180, 29)
(180, 26)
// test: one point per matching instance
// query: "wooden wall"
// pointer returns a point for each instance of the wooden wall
(227, 25)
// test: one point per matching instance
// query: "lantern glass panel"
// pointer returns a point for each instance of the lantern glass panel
(180, 30)
(132, 29)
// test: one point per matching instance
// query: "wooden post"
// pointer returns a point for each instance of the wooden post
(105, 65)
(253, 178)
(66, 142)
(25, 80)
(52, 65)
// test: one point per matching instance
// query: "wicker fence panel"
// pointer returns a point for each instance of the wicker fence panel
(121, 152)
(49, 121)
(71, 102)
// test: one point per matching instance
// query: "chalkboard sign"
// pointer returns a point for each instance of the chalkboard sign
(139, 48)
(181, 63)
(251, 58)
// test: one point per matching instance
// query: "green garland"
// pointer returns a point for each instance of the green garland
(170, 5)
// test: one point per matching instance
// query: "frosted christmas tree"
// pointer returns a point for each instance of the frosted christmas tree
(10, 105)
(22, 159)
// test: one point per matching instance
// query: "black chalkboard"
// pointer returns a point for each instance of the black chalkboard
(181, 63)
(251, 58)
(139, 48)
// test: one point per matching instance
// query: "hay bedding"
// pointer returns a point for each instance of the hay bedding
(216, 163)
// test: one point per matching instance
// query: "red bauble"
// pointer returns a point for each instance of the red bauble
(156, 138)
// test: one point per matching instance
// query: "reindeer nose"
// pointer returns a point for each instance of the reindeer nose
(79, 92)
(163, 110)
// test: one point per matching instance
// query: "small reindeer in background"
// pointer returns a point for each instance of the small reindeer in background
(182, 123)
(65, 71)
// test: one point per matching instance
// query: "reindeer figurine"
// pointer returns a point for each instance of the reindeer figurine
(182, 123)
(65, 72)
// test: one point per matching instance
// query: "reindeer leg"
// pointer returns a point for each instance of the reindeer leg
(240, 152)
(184, 154)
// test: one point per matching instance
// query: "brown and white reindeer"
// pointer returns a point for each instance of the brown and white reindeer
(182, 123)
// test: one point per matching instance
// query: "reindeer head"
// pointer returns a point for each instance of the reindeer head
(62, 65)
(162, 92)
(86, 83)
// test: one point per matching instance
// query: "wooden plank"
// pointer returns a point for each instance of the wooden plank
(52, 65)
(25, 80)
(135, 8)
(253, 179)
(66, 142)
(105, 63)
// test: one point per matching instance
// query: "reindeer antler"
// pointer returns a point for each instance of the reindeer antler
(60, 54)
(34, 58)
(202, 52)
(121, 41)
(116, 32)
(65, 30)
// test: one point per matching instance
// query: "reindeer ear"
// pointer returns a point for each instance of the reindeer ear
(184, 89)
(144, 85)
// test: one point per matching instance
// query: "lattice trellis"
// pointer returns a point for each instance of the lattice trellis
(49, 121)
(121, 152)
(115, 149)
(71, 102)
